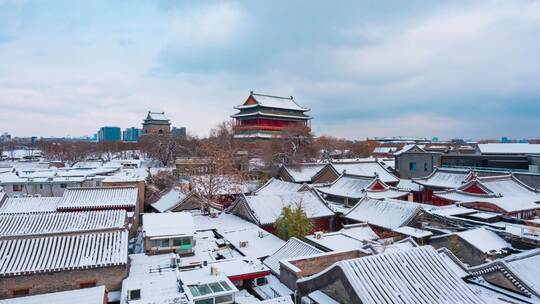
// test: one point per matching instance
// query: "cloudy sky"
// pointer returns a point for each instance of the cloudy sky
(467, 69)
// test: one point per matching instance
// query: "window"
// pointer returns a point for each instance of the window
(216, 287)
(225, 285)
(177, 242)
(165, 243)
(205, 301)
(156, 243)
(412, 167)
(40, 186)
(261, 281)
(63, 186)
(425, 167)
(17, 188)
(21, 292)
(134, 294)
(87, 284)
(224, 299)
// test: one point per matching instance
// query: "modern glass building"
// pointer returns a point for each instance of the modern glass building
(109, 134)
(131, 134)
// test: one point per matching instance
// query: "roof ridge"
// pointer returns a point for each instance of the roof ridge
(268, 95)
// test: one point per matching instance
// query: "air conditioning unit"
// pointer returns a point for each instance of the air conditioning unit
(318, 235)
(214, 270)
(244, 244)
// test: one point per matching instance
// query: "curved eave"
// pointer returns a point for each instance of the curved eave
(240, 107)
(238, 115)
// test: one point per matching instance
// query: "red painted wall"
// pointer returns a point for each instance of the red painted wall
(377, 186)
(474, 189)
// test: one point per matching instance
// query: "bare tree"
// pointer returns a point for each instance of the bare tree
(292, 146)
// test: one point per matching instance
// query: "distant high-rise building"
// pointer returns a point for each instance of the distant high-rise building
(109, 134)
(5, 137)
(505, 139)
(131, 134)
(156, 123)
(179, 132)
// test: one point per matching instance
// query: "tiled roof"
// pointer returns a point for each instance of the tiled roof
(29, 204)
(444, 178)
(267, 208)
(417, 275)
(63, 252)
(292, 249)
(504, 191)
(93, 295)
(276, 186)
(277, 102)
(366, 168)
(98, 198)
(24, 224)
(387, 213)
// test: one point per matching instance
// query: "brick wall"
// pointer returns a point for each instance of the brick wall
(312, 265)
(111, 277)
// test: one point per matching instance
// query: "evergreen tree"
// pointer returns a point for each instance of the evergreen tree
(293, 222)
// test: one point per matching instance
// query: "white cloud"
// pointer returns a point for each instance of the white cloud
(214, 25)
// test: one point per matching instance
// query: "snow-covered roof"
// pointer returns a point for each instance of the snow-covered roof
(92, 295)
(450, 210)
(390, 192)
(348, 186)
(344, 239)
(292, 249)
(170, 200)
(278, 300)
(356, 187)
(155, 276)
(414, 232)
(505, 192)
(98, 198)
(11, 178)
(367, 169)
(385, 149)
(408, 184)
(29, 204)
(63, 252)
(444, 178)
(265, 209)
(223, 222)
(269, 101)
(156, 116)
(484, 240)
(409, 147)
(509, 148)
(277, 186)
(127, 175)
(303, 173)
(387, 213)
(417, 275)
(24, 224)
(259, 242)
(168, 224)
(525, 266)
